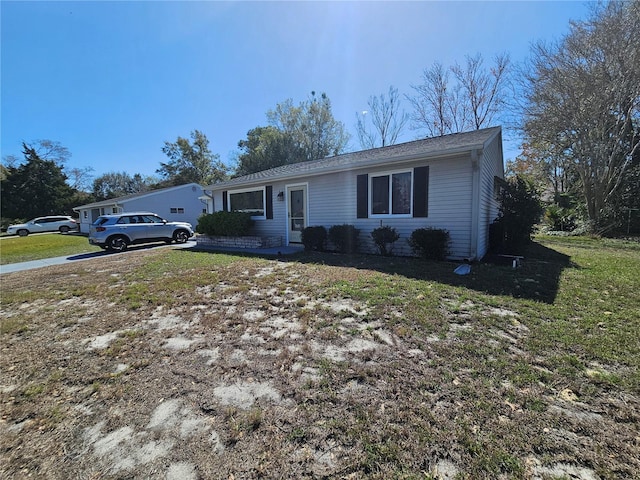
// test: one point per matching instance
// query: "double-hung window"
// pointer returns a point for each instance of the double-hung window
(248, 201)
(391, 193)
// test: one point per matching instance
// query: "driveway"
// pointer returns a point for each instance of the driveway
(46, 262)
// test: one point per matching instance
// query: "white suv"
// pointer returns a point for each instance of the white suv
(116, 232)
(58, 223)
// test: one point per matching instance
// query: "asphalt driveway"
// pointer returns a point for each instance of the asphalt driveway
(46, 262)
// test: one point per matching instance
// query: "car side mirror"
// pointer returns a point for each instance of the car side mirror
(164, 221)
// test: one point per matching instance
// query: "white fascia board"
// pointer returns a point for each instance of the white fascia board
(396, 161)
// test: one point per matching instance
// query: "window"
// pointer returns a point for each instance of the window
(85, 214)
(176, 210)
(128, 219)
(248, 201)
(391, 194)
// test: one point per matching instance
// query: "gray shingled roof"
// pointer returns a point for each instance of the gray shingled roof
(429, 147)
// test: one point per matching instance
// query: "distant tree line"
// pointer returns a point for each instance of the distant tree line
(575, 103)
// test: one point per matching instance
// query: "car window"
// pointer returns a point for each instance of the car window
(153, 219)
(100, 220)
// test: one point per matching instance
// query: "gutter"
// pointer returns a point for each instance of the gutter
(325, 171)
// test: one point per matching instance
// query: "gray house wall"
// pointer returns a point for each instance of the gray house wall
(186, 198)
(159, 202)
(461, 196)
(491, 167)
(332, 201)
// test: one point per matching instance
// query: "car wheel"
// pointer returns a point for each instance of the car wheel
(64, 229)
(181, 236)
(117, 243)
(23, 232)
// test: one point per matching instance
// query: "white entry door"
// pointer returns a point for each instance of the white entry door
(297, 212)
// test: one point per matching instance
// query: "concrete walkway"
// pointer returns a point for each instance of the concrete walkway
(46, 262)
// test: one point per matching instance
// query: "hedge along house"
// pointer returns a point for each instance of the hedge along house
(448, 182)
(182, 203)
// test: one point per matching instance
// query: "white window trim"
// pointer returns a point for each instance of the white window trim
(390, 215)
(254, 189)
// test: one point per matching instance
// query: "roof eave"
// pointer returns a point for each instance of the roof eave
(399, 160)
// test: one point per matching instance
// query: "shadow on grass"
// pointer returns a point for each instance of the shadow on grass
(537, 278)
(129, 249)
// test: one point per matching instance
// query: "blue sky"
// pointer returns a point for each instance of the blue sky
(112, 81)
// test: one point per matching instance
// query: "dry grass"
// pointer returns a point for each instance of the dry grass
(176, 364)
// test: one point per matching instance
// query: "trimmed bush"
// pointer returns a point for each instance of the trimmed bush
(430, 243)
(344, 237)
(383, 236)
(225, 224)
(314, 238)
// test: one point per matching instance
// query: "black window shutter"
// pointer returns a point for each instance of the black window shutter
(420, 191)
(362, 196)
(268, 192)
(224, 200)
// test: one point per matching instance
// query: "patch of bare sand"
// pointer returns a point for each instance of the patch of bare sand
(132, 446)
(244, 394)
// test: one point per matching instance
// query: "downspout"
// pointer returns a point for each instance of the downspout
(475, 204)
(206, 202)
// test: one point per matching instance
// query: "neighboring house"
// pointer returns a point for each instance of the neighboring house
(183, 203)
(447, 182)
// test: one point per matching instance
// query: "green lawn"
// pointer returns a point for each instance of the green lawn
(36, 247)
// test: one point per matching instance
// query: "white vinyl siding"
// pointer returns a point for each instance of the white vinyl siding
(332, 199)
(449, 206)
(491, 167)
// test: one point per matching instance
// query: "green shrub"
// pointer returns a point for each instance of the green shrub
(225, 224)
(344, 237)
(560, 219)
(520, 211)
(430, 243)
(314, 238)
(383, 236)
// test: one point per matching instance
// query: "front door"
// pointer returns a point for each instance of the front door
(297, 212)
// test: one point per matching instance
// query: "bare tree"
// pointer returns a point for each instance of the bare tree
(483, 89)
(387, 119)
(472, 100)
(434, 104)
(51, 150)
(80, 178)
